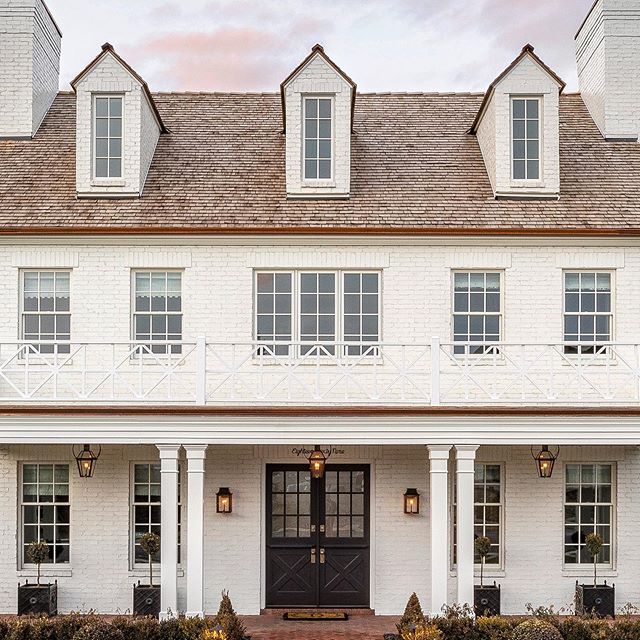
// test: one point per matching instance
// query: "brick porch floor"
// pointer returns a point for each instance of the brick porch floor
(271, 627)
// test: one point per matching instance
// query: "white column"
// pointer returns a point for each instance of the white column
(465, 467)
(169, 530)
(195, 529)
(439, 518)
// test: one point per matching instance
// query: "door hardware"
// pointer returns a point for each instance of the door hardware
(322, 557)
(313, 556)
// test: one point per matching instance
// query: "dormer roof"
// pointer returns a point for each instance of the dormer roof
(108, 50)
(316, 51)
(527, 51)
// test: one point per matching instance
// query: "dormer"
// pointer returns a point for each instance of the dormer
(117, 128)
(518, 129)
(318, 99)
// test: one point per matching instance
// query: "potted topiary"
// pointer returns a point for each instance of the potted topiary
(146, 598)
(38, 599)
(486, 600)
(228, 622)
(598, 599)
(412, 618)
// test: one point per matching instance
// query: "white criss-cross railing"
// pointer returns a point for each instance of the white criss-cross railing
(202, 372)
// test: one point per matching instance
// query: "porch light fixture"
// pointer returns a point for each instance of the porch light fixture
(224, 500)
(86, 460)
(411, 502)
(317, 462)
(545, 460)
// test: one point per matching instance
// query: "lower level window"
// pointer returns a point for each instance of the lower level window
(588, 509)
(45, 509)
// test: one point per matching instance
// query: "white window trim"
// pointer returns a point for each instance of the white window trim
(49, 568)
(296, 275)
(113, 181)
(318, 182)
(578, 567)
(526, 182)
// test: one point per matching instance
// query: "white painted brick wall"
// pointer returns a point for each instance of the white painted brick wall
(140, 131)
(608, 56)
(494, 132)
(533, 527)
(29, 66)
(318, 78)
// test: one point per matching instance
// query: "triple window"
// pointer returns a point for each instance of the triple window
(107, 136)
(316, 308)
(317, 138)
(525, 138)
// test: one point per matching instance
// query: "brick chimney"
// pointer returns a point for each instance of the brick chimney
(608, 57)
(29, 66)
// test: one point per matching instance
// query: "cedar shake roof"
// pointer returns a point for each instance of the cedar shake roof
(415, 169)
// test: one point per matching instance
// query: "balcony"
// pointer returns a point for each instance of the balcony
(254, 374)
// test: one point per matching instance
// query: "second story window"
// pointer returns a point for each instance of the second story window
(477, 311)
(45, 313)
(525, 140)
(319, 308)
(317, 139)
(107, 136)
(157, 315)
(588, 314)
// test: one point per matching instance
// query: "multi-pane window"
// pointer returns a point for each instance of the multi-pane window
(487, 510)
(345, 504)
(317, 307)
(588, 508)
(525, 140)
(157, 312)
(145, 505)
(45, 309)
(290, 504)
(477, 310)
(317, 138)
(107, 137)
(45, 508)
(588, 313)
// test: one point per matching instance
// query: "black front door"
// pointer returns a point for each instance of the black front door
(317, 536)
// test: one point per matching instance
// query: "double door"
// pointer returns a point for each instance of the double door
(317, 538)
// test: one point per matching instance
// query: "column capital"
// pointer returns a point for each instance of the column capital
(196, 451)
(168, 451)
(439, 451)
(466, 451)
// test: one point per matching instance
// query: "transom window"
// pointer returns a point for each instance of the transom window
(525, 141)
(158, 309)
(145, 506)
(107, 136)
(318, 307)
(317, 138)
(477, 310)
(588, 314)
(588, 508)
(46, 309)
(45, 509)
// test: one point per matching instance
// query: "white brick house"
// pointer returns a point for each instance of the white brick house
(427, 286)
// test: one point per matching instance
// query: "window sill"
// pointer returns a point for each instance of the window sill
(45, 572)
(108, 182)
(586, 572)
(142, 573)
(487, 575)
(318, 184)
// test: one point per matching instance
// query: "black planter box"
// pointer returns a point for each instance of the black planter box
(146, 600)
(599, 601)
(38, 600)
(486, 600)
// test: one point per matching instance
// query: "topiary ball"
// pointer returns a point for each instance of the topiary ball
(98, 630)
(536, 630)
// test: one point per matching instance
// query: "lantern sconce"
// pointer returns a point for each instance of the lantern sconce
(86, 460)
(412, 502)
(317, 462)
(545, 460)
(224, 500)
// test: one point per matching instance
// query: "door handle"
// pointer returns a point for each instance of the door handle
(313, 556)
(322, 556)
(321, 528)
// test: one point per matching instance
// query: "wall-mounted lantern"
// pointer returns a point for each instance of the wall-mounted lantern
(86, 460)
(224, 500)
(317, 462)
(545, 460)
(411, 501)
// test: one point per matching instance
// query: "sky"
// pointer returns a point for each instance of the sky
(384, 45)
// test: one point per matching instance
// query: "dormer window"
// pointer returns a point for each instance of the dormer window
(107, 136)
(317, 138)
(525, 113)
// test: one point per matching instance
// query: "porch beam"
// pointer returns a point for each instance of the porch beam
(465, 468)
(196, 454)
(439, 518)
(169, 530)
